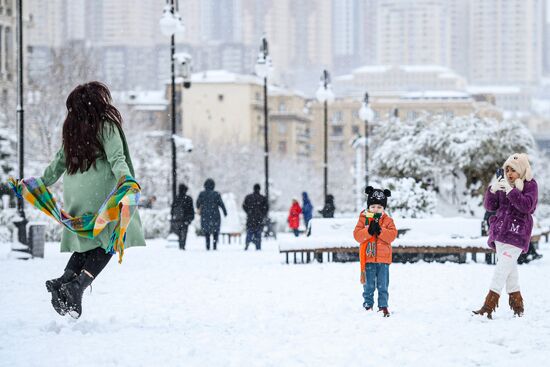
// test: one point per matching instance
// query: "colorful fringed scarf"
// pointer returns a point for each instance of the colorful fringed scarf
(119, 207)
(368, 249)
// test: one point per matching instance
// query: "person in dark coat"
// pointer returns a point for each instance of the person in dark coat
(255, 206)
(307, 208)
(208, 204)
(329, 208)
(183, 213)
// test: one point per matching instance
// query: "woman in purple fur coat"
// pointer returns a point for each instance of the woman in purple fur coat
(514, 198)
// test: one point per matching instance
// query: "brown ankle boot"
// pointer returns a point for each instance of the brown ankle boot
(491, 303)
(516, 303)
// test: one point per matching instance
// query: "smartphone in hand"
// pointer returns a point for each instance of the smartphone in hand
(500, 173)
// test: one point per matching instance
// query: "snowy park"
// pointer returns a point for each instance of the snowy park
(165, 307)
(274, 183)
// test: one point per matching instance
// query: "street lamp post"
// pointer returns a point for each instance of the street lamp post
(170, 23)
(366, 114)
(21, 224)
(325, 95)
(263, 67)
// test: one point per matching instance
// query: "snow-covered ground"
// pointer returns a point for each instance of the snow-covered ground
(165, 307)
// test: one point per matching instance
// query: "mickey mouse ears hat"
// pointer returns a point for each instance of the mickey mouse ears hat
(377, 196)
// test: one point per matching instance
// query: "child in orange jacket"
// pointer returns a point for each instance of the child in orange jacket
(375, 231)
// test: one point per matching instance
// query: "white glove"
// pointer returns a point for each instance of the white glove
(494, 188)
(501, 185)
(519, 184)
(507, 186)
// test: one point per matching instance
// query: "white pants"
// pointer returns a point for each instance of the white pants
(506, 271)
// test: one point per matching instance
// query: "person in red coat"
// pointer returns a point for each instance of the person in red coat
(294, 217)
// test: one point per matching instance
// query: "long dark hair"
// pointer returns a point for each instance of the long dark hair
(88, 108)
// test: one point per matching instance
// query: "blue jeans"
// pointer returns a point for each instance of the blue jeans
(254, 236)
(378, 276)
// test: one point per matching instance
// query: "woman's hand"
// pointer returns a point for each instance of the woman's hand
(501, 185)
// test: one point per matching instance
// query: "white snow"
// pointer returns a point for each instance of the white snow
(164, 307)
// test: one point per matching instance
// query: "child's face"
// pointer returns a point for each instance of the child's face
(511, 174)
(376, 208)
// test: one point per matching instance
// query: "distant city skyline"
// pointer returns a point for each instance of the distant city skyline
(305, 37)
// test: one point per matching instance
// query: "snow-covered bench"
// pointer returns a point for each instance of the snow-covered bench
(430, 239)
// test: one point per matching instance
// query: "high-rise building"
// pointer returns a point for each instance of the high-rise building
(347, 37)
(413, 32)
(460, 35)
(7, 49)
(506, 41)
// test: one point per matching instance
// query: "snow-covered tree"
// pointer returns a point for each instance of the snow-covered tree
(7, 141)
(47, 92)
(408, 198)
(435, 150)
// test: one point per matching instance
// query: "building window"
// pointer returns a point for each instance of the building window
(355, 129)
(337, 130)
(282, 107)
(337, 117)
(282, 147)
(281, 128)
(258, 96)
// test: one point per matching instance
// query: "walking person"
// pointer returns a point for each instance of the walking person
(183, 214)
(294, 217)
(255, 207)
(307, 210)
(514, 198)
(209, 203)
(329, 208)
(94, 159)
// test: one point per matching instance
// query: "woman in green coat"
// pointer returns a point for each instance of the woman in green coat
(94, 156)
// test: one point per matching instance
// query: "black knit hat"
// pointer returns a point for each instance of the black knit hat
(377, 196)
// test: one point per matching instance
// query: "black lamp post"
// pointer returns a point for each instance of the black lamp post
(366, 114)
(325, 95)
(21, 224)
(170, 24)
(263, 67)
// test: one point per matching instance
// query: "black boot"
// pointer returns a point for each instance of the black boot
(54, 285)
(73, 292)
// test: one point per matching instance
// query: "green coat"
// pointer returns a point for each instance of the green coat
(85, 192)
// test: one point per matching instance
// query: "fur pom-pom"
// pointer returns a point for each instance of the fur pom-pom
(369, 190)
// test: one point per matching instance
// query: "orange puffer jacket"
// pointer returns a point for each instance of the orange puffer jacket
(382, 242)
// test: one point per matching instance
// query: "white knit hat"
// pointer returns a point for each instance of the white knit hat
(520, 163)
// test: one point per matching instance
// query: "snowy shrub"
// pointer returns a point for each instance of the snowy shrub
(7, 152)
(156, 223)
(543, 211)
(7, 216)
(408, 198)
